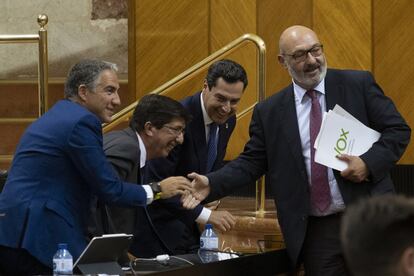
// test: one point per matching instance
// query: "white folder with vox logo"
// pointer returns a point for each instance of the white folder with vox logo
(341, 133)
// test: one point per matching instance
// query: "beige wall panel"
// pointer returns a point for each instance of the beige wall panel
(273, 17)
(230, 19)
(171, 36)
(344, 28)
(239, 137)
(394, 60)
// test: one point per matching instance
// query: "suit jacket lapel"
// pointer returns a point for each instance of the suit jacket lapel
(199, 133)
(291, 129)
(137, 168)
(334, 91)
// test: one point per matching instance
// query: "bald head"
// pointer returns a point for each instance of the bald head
(301, 54)
(296, 37)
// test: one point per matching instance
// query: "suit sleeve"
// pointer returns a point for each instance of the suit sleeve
(85, 150)
(395, 133)
(245, 169)
(123, 155)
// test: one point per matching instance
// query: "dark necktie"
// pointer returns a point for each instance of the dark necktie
(212, 147)
(320, 192)
(142, 174)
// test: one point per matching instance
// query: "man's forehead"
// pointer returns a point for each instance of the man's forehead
(177, 121)
(108, 78)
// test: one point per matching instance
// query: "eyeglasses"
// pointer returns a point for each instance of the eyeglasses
(177, 131)
(302, 55)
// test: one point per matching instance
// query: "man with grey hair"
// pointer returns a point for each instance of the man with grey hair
(58, 166)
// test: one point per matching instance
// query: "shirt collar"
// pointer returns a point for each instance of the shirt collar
(300, 92)
(206, 118)
(143, 157)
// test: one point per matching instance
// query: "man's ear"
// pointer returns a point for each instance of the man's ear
(205, 85)
(282, 61)
(407, 261)
(149, 129)
(82, 91)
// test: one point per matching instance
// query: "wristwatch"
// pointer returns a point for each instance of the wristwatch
(155, 187)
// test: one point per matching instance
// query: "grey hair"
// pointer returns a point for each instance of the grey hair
(86, 72)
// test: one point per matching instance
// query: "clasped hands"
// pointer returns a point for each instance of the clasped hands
(192, 191)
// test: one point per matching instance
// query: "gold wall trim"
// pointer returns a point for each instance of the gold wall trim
(17, 120)
(125, 113)
(58, 80)
(6, 158)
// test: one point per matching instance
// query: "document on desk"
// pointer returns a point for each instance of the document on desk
(341, 133)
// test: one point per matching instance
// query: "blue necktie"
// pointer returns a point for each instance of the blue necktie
(212, 147)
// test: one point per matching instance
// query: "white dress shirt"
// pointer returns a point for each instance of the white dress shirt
(142, 161)
(303, 107)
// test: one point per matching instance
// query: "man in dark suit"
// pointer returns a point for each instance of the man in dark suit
(310, 197)
(156, 127)
(214, 106)
(58, 165)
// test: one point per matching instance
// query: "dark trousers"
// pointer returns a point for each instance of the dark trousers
(321, 252)
(17, 261)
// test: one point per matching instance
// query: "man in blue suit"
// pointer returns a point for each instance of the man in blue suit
(58, 165)
(215, 105)
(310, 197)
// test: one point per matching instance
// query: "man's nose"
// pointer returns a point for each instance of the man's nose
(310, 58)
(116, 100)
(180, 138)
(226, 106)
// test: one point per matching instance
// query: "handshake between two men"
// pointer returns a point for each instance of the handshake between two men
(192, 194)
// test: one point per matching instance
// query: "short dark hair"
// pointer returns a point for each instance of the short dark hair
(86, 72)
(375, 232)
(229, 70)
(159, 110)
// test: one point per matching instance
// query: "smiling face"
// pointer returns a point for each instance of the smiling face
(309, 69)
(164, 139)
(104, 100)
(221, 100)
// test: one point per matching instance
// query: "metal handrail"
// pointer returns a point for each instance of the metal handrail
(124, 114)
(41, 38)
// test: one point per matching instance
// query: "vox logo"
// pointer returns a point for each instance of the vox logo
(341, 143)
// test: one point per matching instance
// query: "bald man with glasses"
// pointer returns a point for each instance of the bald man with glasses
(310, 197)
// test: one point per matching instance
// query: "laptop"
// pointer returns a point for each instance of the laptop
(103, 253)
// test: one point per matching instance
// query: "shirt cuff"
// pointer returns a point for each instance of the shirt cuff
(150, 194)
(204, 216)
